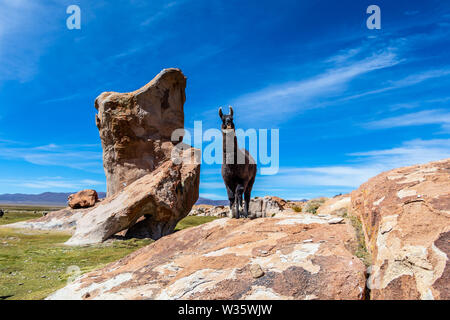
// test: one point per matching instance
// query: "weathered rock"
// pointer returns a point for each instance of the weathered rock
(313, 205)
(83, 199)
(62, 220)
(339, 205)
(259, 207)
(406, 220)
(266, 206)
(206, 210)
(297, 206)
(135, 128)
(164, 196)
(235, 259)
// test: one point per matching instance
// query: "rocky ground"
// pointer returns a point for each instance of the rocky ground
(387, 240)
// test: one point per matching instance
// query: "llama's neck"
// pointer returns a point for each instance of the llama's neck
(229, 146)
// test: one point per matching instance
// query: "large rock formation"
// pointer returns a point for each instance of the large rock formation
(144, 174)
(135, 128)
(151, 183)
(289, 256)
(406, 220)
(83, 199)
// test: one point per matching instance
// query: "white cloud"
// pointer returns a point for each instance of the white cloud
(408, 81)
(53, 183)
(293, 96)
(212, 196)
(437, 116)
(162, 13)
(409, 153)
(84, 157)
(363, 166)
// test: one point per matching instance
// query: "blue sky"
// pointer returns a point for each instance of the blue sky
(349, 102)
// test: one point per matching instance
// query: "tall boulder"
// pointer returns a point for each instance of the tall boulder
(136, 127)
(405, 214)
(151, 183)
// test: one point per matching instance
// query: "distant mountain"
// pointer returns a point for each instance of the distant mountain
(60, 199)
(46, 198)
(212, 202)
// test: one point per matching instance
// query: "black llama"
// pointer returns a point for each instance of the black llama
(238, 167)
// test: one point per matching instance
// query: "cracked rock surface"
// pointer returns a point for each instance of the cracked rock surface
(405, 215)
(265, 258)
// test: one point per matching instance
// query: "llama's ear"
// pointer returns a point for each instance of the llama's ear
(220, 112)
(231, 111)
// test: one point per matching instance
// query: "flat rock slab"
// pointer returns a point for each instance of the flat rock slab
(62, 220)
(406, 219)
(265, 258)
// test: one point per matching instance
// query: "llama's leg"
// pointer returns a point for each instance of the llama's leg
(231, 198)
(239, 193)
(246, 203)
(247, 196)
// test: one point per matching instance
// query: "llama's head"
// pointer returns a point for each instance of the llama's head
(227, 120)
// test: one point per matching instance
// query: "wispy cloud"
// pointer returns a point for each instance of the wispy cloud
(211, 196)
(61, 99)
(407, 81)
(84, 157)
(438, 116)
(294, 96)
(53, 183)
(162, 13)
(360, 167)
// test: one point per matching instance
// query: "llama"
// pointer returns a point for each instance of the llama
(238, 167)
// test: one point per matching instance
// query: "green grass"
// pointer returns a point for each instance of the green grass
(192, 221)
(14, 214)
(314, 204)
(361, 250)
(34, 264)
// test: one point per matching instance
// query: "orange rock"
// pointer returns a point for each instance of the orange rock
(289, 256)
(406, 220)
(136, 127)
(83, 199)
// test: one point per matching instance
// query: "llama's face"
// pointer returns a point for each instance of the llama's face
(227, 120)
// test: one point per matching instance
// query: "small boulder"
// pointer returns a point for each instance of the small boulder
(83, 199)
